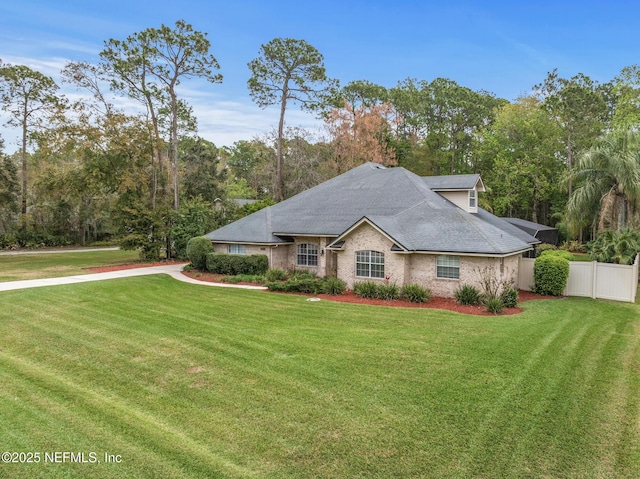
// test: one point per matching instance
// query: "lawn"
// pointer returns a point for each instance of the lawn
(54, 265)
(178, 381)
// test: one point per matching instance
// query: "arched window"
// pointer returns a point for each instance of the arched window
(369, 264)
(307, 255)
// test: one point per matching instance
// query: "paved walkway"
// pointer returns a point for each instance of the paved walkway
(173, 270)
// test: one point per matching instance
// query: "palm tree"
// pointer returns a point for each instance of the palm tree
(609, 178)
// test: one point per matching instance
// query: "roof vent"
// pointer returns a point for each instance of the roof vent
(377, 166)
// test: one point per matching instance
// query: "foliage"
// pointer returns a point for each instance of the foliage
(467, 295)
(542, 247)
(332, 285)
(415, 293)
(522, 150)
(608, 175)
(494, 304)
(388, 291)
(557, 252)
(244, 278)
(615, 247)
(287, 70)
(301, 274)
(550, 274)
(197, 250)
(574, 246)
(31, 99)
(203, 176)
(195, 217)
(509, 297)
(233, 264)
(366, 289)
(275, 274)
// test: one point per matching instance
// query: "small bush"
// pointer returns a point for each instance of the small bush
(277, 286)
(467, 295)
(275, 274)
(493, 304)
(415, 293)
(197, 250)
(388, 291)
(333, 285)
(550, 275)
(557, 252)
(574, 246)
(541, 248)
(243, 278)
(366, 289)
(509, 297)
(299, 274)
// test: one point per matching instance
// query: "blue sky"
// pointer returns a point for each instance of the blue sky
(504, 47)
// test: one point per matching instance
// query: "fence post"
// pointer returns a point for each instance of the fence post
(594, 280)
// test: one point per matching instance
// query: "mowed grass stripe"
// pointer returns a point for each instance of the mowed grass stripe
(280, 387)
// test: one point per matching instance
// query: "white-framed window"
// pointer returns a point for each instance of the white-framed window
(473, 203)
(369, 264)
(237, 249)
(307, 255)
(448, 267)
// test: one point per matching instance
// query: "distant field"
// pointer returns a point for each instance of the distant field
(183, 381)
(53, 265)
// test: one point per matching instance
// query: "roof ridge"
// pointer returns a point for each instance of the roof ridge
(422, 188)
(466, 216)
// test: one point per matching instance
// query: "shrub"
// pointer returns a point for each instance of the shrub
(467, 295)
(275, 274)
(276, 286)
(366, 289)
(509, 297)
(574, 246)
(493, 304)
(388, 291)
(231, 264)
(243, 278)
(557, 252)
(302, 274)
(333, 285)
(544, 247)
(415, 293)
(550, 275)
(197, 250)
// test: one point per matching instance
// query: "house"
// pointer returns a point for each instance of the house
(383, 224)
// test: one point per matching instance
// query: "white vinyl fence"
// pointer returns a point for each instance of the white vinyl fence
(592, 279)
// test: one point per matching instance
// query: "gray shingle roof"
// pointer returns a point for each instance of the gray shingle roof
(397, 201)
(451, 182)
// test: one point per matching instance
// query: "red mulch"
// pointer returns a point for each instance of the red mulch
(434, 303)
(348, 297)
(120, 267)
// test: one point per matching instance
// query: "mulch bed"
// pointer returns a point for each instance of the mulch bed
(434, 303)
(448, 304)
(120, 267)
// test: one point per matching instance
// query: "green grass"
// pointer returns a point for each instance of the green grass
(54, 265)
(191, 381)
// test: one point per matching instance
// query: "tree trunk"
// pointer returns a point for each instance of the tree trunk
(279, 154)
(23, 199)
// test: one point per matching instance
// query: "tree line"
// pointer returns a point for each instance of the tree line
(566, 155)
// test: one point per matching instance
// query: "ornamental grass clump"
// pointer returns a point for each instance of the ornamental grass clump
(415, 293)
(388, 291)
(366, 289)
(467, 295)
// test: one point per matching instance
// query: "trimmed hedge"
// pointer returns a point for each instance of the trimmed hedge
(558, 252)
(550, 274)
(197, 250)
(233, 264)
